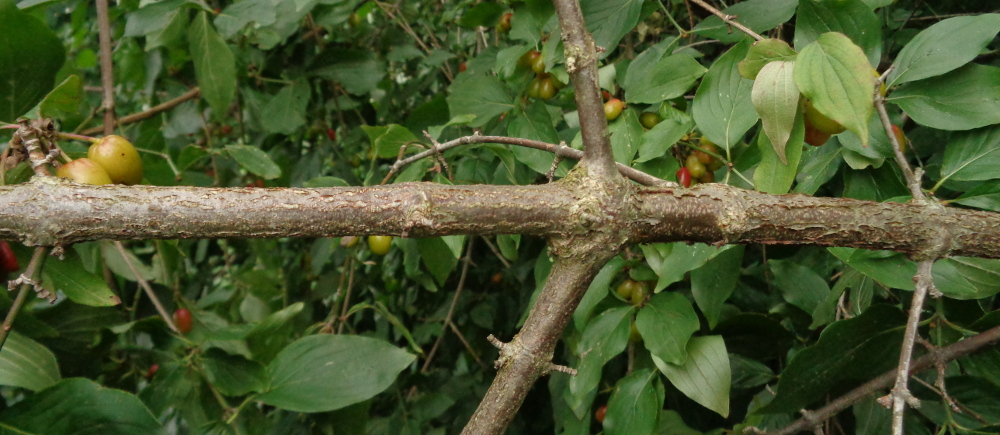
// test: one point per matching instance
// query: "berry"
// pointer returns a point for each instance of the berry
(538, 64)
(118, 158)
(639, 294)
(900, 137)
(815, 137)
(379, 245)
(613, 108)
(605, 95)
(8, 261)
(462, 67)
(182, 319)
(504, 25)
(709, 177)
(627, 288)
(354, 20)
(349, 241)
(633, 334)
(696, 167)
(684, 177)
(601, 413)
(649, 119)
(152, 371)
(535, 88)
(527, 59)
(226, 129)
(821, 122)
(84, 171)
(497, 278)
(331, 133)
(546, 89)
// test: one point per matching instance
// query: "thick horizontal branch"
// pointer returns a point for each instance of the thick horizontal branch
(47, 211)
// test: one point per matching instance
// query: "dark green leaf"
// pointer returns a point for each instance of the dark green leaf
(657, 141)
(666, 324)
(64, 100)
(682, 259)
(972, 155)
(70, 277)
(985, 196)
(30, 57)
(81, 407)
(635, 404)
(233, 375)
(758, 15)
(359, 71)
(597, 291)
(286, 112)
(712, 283)
(387, 145)
(483, 96)
(534, 123)
(848, 353)
(438, 258)
(705, 376)
(485, 14)
(326, 372)
(609, 21)
(963, 99)
(214, 65)
(626, 133)
(670, 77)
(254, 160)
(850, 17)
(605, 337)
(799, 285)
(722, 107)
(945, 46)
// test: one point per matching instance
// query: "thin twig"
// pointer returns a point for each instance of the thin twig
(34, 267)
(135, 117)
(728, 19)
(107, 66)
(328, 326)
(496, 252)
(560, 150)
(948, 353)
(461, 337)
(451, 309)
(147, 288)
(347, 301)
(900, 395)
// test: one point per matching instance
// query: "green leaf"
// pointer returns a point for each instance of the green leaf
(848, 353)
(835, 75)
(682, 259)
(963, 99)
(605, 337)
(985, 196)
(235, 16)
(30, 56)
(772, 175)
(480, 95)
(705, 376)
(670, 77)
(286, 112)
(387, 144)
(978, 399)
(748, 373)
(254, 160)
(776, 99)
(608, 21)
(27, 364)
(438, 258)
(762, 53)
(626, 133)
(359, 71)
(713, 283)
(64, 100)
(850, 17)
(116, 262)
(820, 165)
(799, 285)
(972, 155)
(597, 291)
(214, 65)
(80, 406)
(888, 268)
(666, 324)
(945, 46)
(635, 404)
(233, 375)
(657, 141)
(758, 15)
(722, 108)
(966, 277)
(485, 14)
(534, 123)
(322, 373)
(70, 277)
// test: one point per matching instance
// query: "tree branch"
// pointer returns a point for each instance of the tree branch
(952, 352)
(163, 107)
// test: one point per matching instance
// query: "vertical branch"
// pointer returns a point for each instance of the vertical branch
(529, 355)
(900, 394)
(28, 279)
(581, 63)
(107, 73)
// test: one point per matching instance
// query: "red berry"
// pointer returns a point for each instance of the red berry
(498, 278)
(684, 177)
(182, 318)
(461, 67)
(152, 371)
(226, 129)
(8, 261)
(331, 133)
(601, 412)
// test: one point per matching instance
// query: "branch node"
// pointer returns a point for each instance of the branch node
(562, 368)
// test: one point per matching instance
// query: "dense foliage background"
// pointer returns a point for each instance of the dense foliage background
(323, 336)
